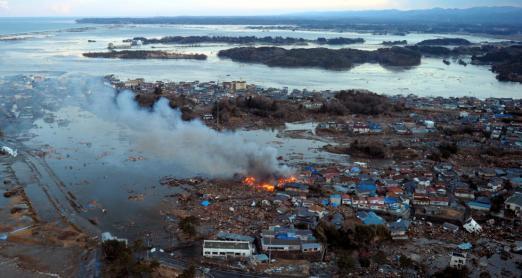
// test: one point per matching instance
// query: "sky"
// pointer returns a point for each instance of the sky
(219, 7)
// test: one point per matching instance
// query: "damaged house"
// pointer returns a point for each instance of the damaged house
(289, 240)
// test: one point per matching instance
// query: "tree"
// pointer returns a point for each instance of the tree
(138, 245)
(364, 261)
(188, 225)
(450, 272)
(405, 262)
(158, 90)
(120, 262)
(382, 233)
(497, 203)
(189, 272)
(328, 233)
(380, 258)
(345, 261)
(448, 149)
(114, 250)
(364, 234)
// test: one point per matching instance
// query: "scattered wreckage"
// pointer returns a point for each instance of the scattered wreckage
(9, 151)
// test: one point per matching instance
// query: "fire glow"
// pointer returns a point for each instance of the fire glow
(267, 186)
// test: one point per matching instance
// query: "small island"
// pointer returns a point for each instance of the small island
(339, 41)
(506, 62)
(445, 41)
(144, 54)
(402, 42)
(247, 40)
(332, 59)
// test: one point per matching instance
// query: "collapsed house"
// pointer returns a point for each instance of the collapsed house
(9, 151)
(458, 260)
(399, 229)
(472, 226)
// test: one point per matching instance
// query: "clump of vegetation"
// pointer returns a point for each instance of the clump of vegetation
(345, 242)
(367, 234)
(497, 203)
(329, 234)
(452, 272)
(147, 100)
(363, 102)
(189, 272)
(260, 106)
(380, 258)
(375, 150)
(368, 149)
(364, 260)
(180, 102)
(361, 236)
(119, 261)
(334, 107)
(448, 149)
(189, 225)
(345, 261)
(405, 262)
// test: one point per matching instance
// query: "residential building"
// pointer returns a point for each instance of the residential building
(284, 239)
(514, 203)
(227, 248)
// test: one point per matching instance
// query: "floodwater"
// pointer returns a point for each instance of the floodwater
(96, 163)
(88, 167)
(60, 51)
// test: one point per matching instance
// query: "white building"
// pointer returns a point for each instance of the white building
(458, 260)
(472, 226)
(429, 124)
(313, 105)
(225, 248)
(106, 236)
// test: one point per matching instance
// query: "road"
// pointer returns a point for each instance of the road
(167, 260)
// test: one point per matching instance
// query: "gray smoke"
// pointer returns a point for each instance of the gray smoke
(162, 133)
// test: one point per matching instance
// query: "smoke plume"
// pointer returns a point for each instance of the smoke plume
(161, 132)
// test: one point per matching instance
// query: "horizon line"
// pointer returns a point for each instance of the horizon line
(259, 15)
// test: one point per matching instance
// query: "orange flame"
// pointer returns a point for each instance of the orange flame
(251, 181)
(268, 187)
(283, 181)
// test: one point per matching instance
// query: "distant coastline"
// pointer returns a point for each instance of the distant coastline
(493, 21)
(144, 54)
(248, 40)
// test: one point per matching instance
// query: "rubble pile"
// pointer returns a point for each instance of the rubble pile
(230, 206)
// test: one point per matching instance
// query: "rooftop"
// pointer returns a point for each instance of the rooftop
(222, 244)
(515, 199)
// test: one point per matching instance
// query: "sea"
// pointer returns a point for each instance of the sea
(54, 46)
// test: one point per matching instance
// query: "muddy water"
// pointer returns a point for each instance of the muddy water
(92, 166)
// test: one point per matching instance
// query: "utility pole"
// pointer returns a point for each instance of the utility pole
(217, 113)
(270, 251)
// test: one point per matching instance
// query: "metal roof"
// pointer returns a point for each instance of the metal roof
(222, 244)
